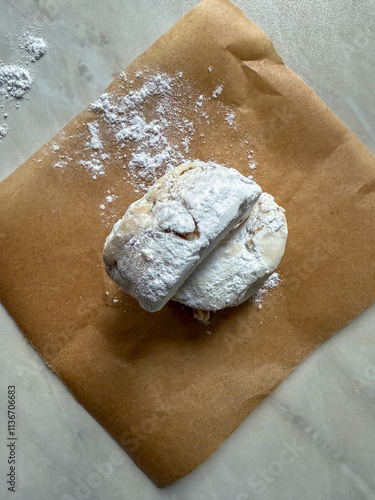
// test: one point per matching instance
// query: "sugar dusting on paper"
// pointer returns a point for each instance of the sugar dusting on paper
(154, 152)
(157, 139)
(150, 128)
(272, 282)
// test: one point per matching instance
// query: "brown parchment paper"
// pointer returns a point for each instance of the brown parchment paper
(167, 390)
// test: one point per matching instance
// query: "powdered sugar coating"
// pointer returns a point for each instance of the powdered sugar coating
(241, 263)
(164, 235)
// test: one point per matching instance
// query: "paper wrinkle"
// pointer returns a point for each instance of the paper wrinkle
(234, 51)
(364, 401)
(250, 400)
(356, 110)
(260, 81)
(367, 188)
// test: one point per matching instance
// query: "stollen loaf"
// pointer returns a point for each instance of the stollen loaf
(241, 262)
(164, 235)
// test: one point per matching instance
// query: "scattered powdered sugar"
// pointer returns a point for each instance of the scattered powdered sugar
(16, 78)
(3, 130)
(63, 161)
(35, 46)
(127, 118)
(229, 118)
(55, 147)
(148, 163)
(95, 142)
(217, 91)
(111, 198)
(61, 164)
(200, 101)
(149, 131)
(150, 126)
(94, 166)
(252, 163)
(15, 81)
(272, 282)
(105, 207)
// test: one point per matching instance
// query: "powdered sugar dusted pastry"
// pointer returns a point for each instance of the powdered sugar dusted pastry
(164, 235)
(241, 262)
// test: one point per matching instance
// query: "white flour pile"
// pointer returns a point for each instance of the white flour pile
(16, 79)
(35, 46)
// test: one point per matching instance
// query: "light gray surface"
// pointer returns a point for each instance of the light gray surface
(324, 410)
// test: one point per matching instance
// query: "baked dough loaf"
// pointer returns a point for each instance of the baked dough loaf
(241, 262)
(163, 236)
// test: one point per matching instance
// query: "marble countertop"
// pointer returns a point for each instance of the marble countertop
(314, 437)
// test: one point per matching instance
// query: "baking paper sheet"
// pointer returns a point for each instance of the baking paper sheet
(167, 390)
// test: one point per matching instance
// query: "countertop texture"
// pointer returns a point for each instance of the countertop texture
(314, 437)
